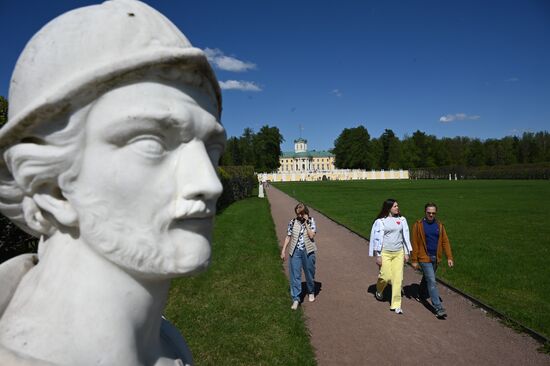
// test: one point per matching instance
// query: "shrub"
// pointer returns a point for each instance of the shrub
(238, 183)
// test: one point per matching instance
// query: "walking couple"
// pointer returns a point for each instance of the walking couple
(391, 245)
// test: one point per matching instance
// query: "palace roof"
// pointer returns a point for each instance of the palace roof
(307, 154)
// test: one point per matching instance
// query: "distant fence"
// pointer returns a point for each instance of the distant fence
(339, 174)
(515, 171)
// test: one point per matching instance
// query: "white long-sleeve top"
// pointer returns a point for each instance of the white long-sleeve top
(377, 235)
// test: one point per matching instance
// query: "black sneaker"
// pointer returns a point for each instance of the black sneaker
(379, 296)
(440, 313)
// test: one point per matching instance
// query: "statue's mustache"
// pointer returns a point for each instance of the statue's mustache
(193, 209)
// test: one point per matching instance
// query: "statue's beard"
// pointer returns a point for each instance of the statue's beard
(148, 247)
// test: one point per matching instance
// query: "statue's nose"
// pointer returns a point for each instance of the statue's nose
(196, 175)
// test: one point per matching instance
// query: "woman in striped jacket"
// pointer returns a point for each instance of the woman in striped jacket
(300, 235)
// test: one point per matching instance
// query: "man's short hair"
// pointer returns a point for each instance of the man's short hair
(430, 204)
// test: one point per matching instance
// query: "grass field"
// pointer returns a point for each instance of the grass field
(498, 230)
(238, 312)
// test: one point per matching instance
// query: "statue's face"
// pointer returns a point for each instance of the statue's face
(147, 188)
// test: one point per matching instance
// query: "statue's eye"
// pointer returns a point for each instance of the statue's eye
(150, 146)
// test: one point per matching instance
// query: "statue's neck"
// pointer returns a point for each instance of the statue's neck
(75, 294)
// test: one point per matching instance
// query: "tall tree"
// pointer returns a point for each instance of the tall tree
(376, 150)
(267, 147)
(409, 153)
(459, 148)
(391, 150)
(440, 153)
(261, 150)
(425, 147)
(246, 147)
(232, 155)
(542, 141)
(507, 151)
(351, 149)
(476, 155)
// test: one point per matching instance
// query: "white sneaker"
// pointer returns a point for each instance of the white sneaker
(294, 305)
(398, 311)
(311, 297)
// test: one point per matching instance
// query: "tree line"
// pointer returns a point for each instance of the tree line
(355, 149)
(260, 150)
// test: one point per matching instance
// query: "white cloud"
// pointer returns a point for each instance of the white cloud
(512, 80)
(337, 92)
(227, 63)
(239, 85)
(457, 117)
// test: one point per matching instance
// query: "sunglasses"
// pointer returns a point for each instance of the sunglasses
(431, 213)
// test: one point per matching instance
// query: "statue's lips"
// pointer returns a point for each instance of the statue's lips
(201, 225)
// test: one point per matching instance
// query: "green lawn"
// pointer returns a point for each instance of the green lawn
(238, 312)
(498, 230)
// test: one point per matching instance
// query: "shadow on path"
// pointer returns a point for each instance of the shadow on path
(304, 293)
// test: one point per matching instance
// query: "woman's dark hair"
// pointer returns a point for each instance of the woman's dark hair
(301, 209)
(386, 207)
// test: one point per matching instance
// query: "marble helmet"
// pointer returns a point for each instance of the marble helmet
(85, 52)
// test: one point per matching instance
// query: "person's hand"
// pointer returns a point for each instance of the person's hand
(379, 261)
(283, 256)
(406, 259)
(414, 265)
(450, 263)
(306, 217)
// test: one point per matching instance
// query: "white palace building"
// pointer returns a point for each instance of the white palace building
(304, 165)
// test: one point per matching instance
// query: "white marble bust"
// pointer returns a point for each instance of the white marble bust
(109, 157)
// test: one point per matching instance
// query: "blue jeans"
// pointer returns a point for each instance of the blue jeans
(428, 281)
(298, 261)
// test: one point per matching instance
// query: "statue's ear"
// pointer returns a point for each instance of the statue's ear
(35, 219)
(59, 208)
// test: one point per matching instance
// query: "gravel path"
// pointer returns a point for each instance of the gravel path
(349, 327)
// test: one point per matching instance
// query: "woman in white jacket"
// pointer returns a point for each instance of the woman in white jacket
(390, 243)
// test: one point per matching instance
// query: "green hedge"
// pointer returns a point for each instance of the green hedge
(515, 171)
(238, 183)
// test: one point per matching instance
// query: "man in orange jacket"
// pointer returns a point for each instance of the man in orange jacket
(429, 241)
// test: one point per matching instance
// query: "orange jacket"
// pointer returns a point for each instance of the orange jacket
(420, 250)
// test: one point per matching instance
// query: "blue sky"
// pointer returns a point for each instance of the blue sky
(449, 68)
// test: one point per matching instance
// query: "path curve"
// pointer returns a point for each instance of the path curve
(349, 327)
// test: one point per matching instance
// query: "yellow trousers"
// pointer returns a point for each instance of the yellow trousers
(391, 271)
